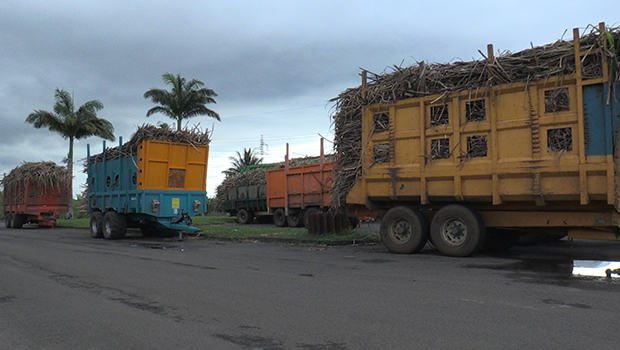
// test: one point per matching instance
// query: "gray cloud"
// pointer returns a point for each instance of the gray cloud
(274, 64)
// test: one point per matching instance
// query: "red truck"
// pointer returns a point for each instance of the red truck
(36, 197)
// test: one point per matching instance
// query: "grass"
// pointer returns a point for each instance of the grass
(225, 227)
(79, 223)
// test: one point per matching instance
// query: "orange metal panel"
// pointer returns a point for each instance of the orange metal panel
(302, 186)
(276, 188)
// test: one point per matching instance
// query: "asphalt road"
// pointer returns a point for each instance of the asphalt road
(61, 289)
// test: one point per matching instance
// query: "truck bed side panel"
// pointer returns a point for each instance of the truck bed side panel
(517, 149)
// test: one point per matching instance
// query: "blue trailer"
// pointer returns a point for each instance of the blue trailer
(158, 188)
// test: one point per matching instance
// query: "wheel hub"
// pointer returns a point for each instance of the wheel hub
(401, 231)
(454, 232)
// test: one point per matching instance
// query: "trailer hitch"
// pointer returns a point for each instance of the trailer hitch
(183, 217)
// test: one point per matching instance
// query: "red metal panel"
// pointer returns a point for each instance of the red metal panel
(34, 200)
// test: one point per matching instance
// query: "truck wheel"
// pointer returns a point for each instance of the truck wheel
(114, 225)
(457, 230)
(245, 217)
(498, 240)
(294, 218)
(96, 224)
(279, 218)
(404, 230)
(18, 220)
(8, 220)
(308, 212)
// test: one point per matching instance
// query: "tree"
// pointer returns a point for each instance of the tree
(72, 124)
(240, 160)
(187, 99)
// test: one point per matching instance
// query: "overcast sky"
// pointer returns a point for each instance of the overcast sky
(274, 64)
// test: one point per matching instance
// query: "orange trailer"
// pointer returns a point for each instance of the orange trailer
(295, 193)
(292, 194)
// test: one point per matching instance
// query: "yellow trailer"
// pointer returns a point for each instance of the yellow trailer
(478, 165)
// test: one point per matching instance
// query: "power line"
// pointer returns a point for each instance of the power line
(275, 138)
(273, 112)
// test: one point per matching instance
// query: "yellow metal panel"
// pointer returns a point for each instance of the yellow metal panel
(172, 166)
(358, 194)
(178, 160)
(407, 118)
(559, 184)
(157, 151)
(195, 181)
(516, 185)
(473, 187)
(197, 154)
(514, 144)
(440, 187)
(378, 189)
(511, 106)
(518, 165)
(155, 176)
(407, 151)
(408, 188)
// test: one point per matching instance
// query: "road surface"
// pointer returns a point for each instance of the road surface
(61, 289)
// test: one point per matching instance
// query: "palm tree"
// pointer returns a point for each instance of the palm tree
(247, 158)
(187, 99)
(72, 124)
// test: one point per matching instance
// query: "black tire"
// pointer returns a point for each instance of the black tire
(96, 224)
(404, 230)
(18, 220)
(353, 222)
(279, 218)
(8, 220)
(245, 217)
(308, 212)
(294, 218)
(114, 225)
(457, 230)
(498, 240)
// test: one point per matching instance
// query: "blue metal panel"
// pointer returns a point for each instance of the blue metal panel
(172, 203)
(601, 119)
(597, 132)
